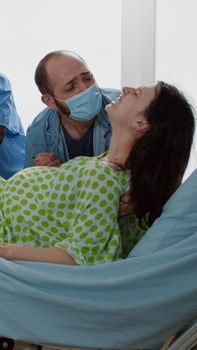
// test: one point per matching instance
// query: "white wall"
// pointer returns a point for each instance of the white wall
(138, 42)
(176, 51)
(31, 29)
(176, 38)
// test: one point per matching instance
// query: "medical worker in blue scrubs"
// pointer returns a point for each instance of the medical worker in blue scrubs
(12, 135)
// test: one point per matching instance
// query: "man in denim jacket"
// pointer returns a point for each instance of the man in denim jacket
(75, 122)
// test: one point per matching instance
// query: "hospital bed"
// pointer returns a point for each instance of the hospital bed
(131, 304)
(183, 340)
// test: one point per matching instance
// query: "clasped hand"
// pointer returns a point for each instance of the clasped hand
(47, 159)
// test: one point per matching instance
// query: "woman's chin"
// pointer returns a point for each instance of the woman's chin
(108, 107)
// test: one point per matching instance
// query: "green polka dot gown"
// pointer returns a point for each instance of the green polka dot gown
(73, 207)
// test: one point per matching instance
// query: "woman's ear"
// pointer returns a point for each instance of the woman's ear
(49, 101)
(142, 124)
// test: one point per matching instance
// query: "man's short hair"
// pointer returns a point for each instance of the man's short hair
(41, 76)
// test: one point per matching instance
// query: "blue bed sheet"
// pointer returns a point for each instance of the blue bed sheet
(129, 304)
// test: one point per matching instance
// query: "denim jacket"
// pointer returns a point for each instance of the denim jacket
(45, 134)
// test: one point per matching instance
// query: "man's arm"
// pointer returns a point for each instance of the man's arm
(39, 146)
(34, 156)
(30, 150)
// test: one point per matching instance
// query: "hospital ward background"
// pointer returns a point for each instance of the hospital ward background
(126, 43)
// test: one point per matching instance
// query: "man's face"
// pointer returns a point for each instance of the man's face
(68, 76)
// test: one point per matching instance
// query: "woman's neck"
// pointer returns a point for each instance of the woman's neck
(120, 148)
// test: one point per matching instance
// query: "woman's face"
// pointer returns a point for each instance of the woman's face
(131, 103)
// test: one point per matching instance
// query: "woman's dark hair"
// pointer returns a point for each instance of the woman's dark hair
(159, 159)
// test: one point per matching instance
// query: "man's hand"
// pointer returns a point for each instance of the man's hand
(126, 206)
(47, 159)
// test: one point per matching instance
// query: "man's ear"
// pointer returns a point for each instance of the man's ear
(142, 124)
(49, 101)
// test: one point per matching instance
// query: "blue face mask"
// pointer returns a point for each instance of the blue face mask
(85, 105)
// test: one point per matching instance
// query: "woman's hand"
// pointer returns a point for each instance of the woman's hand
(126, 206)
(47, 159)
(49, 255)
(5, 250)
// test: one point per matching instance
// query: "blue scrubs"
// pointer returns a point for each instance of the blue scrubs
(12, 149)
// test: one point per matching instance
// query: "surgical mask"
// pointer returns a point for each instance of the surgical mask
(85, 105)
